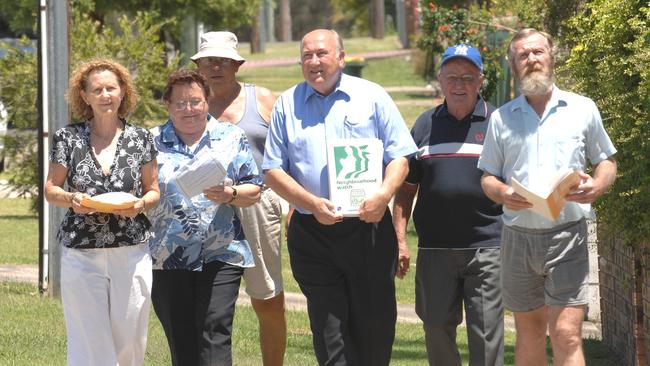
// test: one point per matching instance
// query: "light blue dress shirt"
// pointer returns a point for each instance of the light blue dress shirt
(302, 120)
(191, 232)
(519, 144)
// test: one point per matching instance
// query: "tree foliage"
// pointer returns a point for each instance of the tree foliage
(610, 62)
(134, 43)
(548, 15)
(215, 14)
(443, 27)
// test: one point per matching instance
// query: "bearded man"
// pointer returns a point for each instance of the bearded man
(544, 263)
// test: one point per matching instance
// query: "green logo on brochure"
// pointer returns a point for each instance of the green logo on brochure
(351, 161)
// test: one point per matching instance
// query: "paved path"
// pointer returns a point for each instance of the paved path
(294, 301)
(294, 60)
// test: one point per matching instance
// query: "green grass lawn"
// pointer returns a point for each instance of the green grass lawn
(32, 331)
(18, 232)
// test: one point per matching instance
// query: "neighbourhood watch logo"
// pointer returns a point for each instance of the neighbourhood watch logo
(351, 161)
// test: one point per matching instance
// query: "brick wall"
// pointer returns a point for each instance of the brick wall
(617, 297)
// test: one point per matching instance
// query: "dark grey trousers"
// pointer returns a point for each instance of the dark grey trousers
(444, 281)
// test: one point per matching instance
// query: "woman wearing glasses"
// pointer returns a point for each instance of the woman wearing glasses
(105, 261)
(199, 250)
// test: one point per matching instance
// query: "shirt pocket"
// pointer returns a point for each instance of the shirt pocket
(570, 152)
(360, 124)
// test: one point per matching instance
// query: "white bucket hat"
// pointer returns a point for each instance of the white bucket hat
(218, 44)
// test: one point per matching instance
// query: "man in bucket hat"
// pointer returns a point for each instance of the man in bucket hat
(458, 226)
(249, 107)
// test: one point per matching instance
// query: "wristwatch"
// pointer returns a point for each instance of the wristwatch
(234, 194)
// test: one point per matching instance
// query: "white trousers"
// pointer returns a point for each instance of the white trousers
(106, 295)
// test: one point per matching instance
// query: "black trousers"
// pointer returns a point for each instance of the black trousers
(347, 273)
(196, 310)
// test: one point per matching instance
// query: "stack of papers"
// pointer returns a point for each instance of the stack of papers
(202, 172)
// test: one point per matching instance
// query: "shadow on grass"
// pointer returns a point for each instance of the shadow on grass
(26, 217)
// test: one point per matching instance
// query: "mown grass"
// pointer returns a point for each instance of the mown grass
(32, 330)
(32, 333)
(18, 232)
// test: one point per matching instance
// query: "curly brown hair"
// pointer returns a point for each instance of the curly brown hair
(185, 76)
(79, 81)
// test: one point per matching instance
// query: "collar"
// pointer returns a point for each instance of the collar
(343, 85)
(480, 110)
(558, 98)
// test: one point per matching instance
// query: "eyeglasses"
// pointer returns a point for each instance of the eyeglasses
(212, 61)
(453, 78)
(181, 104)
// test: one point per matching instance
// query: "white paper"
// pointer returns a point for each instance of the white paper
(355, 169)
(202, 172)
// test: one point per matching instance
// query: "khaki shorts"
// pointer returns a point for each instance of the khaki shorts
(262, 224)
(544, 267)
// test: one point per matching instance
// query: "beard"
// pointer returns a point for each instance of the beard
(537, 81)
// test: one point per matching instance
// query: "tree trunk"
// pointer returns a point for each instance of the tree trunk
(256, 39)
(377, 19)
(285, 20)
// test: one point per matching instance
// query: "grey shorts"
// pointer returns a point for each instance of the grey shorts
(262, 225)
(544, 267)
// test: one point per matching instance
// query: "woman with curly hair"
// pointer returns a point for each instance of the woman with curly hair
(105, 260)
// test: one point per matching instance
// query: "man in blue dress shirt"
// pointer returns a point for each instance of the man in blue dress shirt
(544, 263)
(344, 266)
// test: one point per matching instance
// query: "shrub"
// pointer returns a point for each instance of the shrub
(610, 62)
(134, 43)
(443, 27)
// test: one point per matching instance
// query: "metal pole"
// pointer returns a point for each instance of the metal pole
(43, 222)
(56, 55)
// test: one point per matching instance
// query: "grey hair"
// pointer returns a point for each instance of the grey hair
(525, 33)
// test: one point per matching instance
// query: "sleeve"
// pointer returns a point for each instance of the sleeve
(598, 146)
(275, 148)
(415, 168)
(149, 147)
(491, 159)
(394, 134)
(243, 168)
(61, 152)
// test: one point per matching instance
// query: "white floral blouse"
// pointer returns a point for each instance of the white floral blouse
(71, 148)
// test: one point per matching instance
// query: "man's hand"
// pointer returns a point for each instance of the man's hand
(513, 201)
(325, 212)
(587, 191)
(373, 208)
(403, 259)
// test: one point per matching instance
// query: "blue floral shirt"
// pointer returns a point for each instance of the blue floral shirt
(191, 232)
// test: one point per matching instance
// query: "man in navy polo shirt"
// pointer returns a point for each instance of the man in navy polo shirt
(458, 226)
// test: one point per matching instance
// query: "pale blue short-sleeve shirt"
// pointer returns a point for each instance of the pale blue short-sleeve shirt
(519, 144)
(302, 120)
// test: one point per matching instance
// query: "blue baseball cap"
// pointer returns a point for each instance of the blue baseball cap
(465, 51)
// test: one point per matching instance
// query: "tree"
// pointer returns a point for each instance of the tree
(285, 21)
(134, 43)
(377, 19)
(610, 62)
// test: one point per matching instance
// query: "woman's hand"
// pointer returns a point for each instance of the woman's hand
(132, 212)
(77, 207)
(220, 194)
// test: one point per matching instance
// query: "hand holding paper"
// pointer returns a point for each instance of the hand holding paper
(202, 172)
(548, 199)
